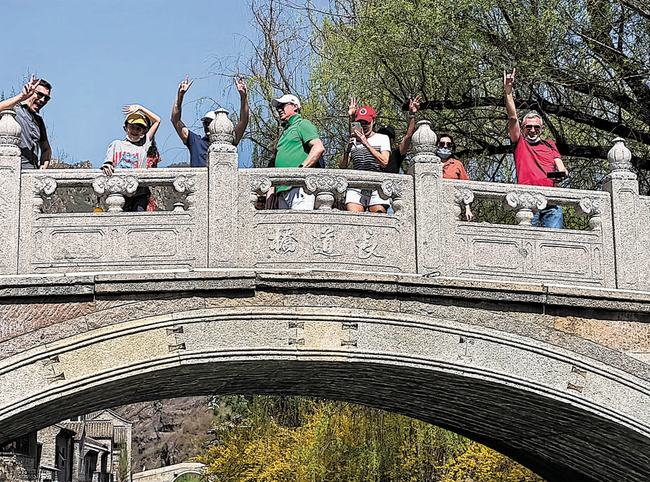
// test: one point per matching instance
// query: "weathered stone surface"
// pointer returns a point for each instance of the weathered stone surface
(488, 356)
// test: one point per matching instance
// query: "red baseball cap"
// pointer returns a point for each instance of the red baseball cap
(366, 113)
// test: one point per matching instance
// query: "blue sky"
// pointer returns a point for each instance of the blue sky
(101, 55)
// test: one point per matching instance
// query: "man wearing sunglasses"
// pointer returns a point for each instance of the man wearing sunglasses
(198, 145)
(35, 150)
(299, 146)
(535, 158)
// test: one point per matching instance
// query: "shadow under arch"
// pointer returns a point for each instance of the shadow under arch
(564, 407)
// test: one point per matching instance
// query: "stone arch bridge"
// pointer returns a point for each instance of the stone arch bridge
(532, 341)
(170, 473)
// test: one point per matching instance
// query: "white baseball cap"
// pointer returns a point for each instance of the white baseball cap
(209, 116)
(286, 99)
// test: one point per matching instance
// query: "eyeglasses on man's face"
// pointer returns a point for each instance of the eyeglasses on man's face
(42, 95)
(531, 127)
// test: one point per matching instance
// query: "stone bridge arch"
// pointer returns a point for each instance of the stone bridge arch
(170, 473)
(483, 359)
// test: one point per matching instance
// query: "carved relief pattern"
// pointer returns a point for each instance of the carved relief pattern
(324, 186)
(393, 188)
(42, 185)
(590, 206)
(284, 241)
(186, 184)
(324, 242)
(260, 185)
(525, 203)
(317, 183)
(462, 197)
(117, 187)
(367, 246)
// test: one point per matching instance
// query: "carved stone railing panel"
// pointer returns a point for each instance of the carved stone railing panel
(43, 185)
(325, 187)
(186, 184)
(526, 204)
(116, 187)
(521, 252)
(327, 238)
(591, 206)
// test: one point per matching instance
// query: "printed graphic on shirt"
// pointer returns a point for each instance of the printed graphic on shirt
(126, 160)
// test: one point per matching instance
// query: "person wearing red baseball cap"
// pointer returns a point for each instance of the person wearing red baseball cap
(368, 151)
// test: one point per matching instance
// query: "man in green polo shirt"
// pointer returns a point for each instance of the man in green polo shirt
(299, 146)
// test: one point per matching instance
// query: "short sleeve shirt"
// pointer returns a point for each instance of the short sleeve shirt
(32, 133)
(533, 161)
(125, 154)
(361, 156)
(198, 147)
(293, 146)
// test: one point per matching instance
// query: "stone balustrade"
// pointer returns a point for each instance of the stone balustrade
(215, 223)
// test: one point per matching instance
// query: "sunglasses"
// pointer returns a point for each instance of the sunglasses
(533, 128)
(445, 144)
(41, 95)
(136, 127)
(364, 123)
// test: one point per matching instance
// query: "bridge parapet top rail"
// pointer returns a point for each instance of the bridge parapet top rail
(215, 223)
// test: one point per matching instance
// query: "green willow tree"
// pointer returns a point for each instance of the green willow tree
(583, 64)
(261, 438)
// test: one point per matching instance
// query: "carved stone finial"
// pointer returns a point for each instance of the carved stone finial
(424, 142)
(619, 157)
(9, 129)
(424, 139)
(221, 130)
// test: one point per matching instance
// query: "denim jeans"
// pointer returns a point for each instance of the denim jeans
(551, 217)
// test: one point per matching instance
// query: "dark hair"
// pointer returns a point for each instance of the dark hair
(453, 144)
(45, 84)
(387, 130)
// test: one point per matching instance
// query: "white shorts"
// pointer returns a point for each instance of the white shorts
(296, 198)
(365, 197)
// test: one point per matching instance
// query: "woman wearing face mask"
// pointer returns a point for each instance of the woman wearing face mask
(452, 168)
(368, 151)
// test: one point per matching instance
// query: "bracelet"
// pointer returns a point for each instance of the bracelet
(411, 116)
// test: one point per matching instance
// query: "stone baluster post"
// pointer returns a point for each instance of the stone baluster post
(223, 181)
(10, 166)
(426, 169)
(629, 227)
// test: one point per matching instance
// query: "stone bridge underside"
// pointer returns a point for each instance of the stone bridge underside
(523, 369)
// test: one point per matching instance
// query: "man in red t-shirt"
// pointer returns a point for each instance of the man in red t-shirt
(534, 157)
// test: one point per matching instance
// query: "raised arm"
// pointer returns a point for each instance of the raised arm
(414, 106)
(243, 109)
(28, 90)
(155, 119)
(178, 124)
(513, 122)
